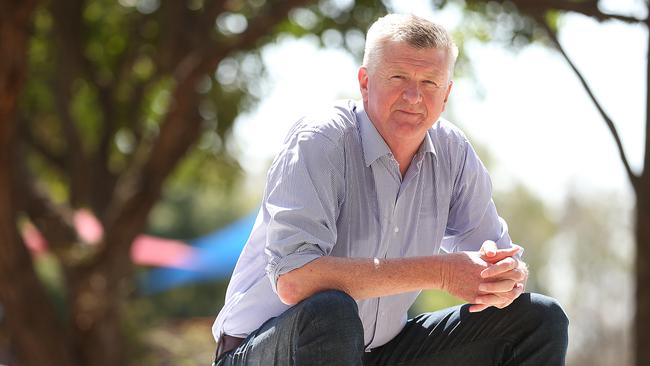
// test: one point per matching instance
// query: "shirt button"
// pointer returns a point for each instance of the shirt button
(396, 230)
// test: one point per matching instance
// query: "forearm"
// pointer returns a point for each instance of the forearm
(361, 278)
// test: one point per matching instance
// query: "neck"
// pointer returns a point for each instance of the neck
(404, 152)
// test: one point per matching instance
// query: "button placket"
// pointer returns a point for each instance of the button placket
(387, 188)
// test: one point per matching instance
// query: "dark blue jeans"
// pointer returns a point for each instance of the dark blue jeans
(325, 329)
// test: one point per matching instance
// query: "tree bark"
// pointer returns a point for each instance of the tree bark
(96, 322)
(30, 316)
(641, 321)
(642, 318)
(97, 284)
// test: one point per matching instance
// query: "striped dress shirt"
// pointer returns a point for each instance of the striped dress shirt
(335, 189)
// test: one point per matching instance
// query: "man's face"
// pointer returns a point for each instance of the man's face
(405, 91)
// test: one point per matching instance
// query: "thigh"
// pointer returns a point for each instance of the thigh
(454, 336)
(451, 336)
(323, 329)
(262, 347)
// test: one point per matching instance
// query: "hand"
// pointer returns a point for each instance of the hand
(461, 272)
(506, 278)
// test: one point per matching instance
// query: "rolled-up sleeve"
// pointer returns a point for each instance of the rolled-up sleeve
(305, 189)
(473, 217)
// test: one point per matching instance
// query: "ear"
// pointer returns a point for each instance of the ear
(451, 83)
(362, 76)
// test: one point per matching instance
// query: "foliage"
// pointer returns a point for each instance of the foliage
(532, 225)
(518, 22)
(594, 276)
(128, 110)
(128, 103)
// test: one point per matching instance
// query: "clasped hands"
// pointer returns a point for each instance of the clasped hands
(489, 277)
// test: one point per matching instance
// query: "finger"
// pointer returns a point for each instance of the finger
(504, 285)
(475, 308)
(488, 299)
(489, 248)
(516, 275)
(513, 294)
(501, 254)
(501, 267)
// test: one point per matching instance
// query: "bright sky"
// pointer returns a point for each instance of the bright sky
(534, 118)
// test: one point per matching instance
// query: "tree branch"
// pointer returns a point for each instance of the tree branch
(68, 29)
(634, 179)
(134, 110)
(181, 35)
(139, 187)
(102, 179)
(127, 59)
(30, 315)
(588, 8)
(53, 221)
(258, 27)
(645, 174)
(40, 146)
(212, 11)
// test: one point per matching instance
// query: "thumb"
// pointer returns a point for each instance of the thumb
(488, 249)
(500, 253)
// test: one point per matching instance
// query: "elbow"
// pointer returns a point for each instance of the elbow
(288, 290)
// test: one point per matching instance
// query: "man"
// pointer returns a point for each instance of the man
(367, 204)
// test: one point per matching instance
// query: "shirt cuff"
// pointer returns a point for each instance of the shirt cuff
(280, 265)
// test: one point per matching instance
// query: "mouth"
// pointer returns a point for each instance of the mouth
(408, 113)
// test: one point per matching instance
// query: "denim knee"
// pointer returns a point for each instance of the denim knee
(334, 311)
(550, 311)
(327, 330)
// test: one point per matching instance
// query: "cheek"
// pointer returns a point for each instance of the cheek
(384, 98)
(390, 97)
(436, 105)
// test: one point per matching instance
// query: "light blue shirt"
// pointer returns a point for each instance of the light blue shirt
(335, 189)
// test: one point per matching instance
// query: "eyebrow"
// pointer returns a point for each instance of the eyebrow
(395, 67)
(430, 76)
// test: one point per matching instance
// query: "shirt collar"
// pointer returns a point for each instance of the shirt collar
(374, 145)
(427, 144)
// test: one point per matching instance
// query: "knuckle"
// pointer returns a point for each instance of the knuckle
(506, 285)
(512, 263)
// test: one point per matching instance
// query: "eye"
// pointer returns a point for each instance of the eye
(397, 77)
(431, 83)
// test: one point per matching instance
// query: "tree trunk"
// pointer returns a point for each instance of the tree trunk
(30, 316)
(97, 322)
(642, 318)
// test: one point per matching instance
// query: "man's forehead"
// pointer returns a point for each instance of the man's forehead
(404, 51)
(407, 63)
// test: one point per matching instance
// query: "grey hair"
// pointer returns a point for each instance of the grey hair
(415, 31)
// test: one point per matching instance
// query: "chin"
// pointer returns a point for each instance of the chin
(409, 130)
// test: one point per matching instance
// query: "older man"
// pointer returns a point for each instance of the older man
(367, 204)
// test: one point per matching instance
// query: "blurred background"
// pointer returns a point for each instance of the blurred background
(135, 136)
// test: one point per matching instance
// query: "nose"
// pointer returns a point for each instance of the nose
(411, 93)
